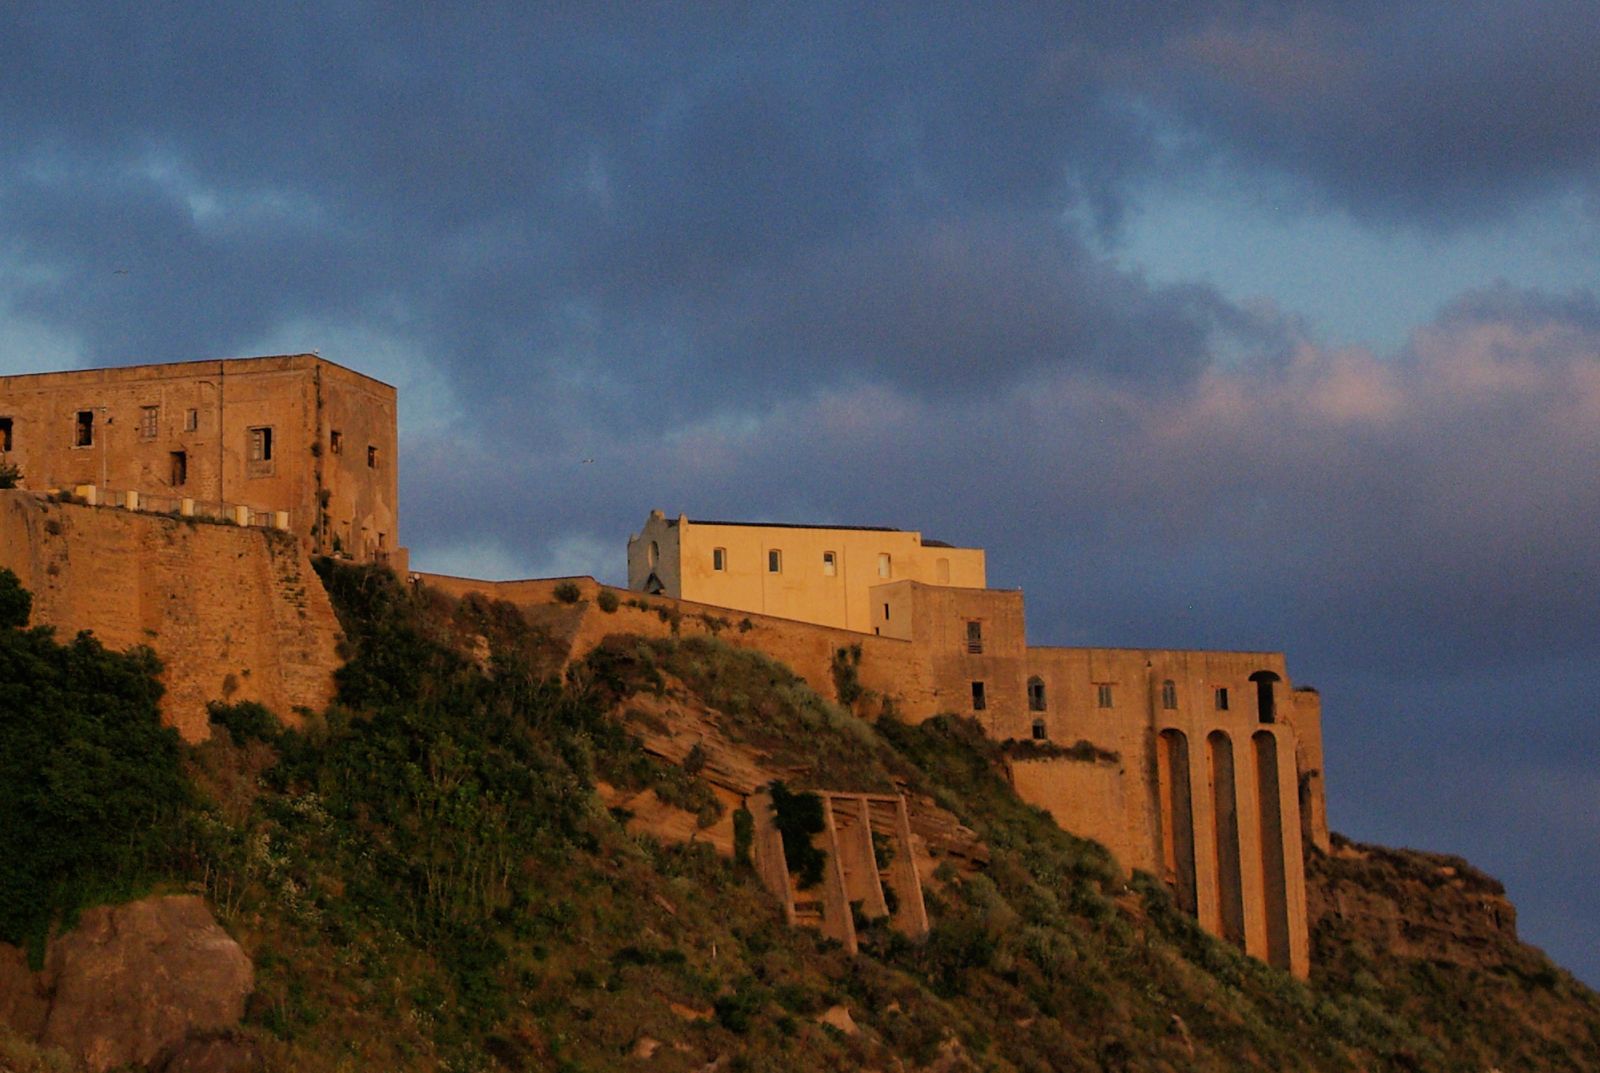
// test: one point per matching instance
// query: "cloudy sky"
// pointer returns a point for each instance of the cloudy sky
(1218, 324)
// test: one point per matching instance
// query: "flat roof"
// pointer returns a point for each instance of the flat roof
(925, 541)
(179, 365)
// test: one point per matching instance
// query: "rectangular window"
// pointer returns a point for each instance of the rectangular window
(149, 422)
(261, 444)
(1169, 695)
(180, 468)
(979, 700)
(974, 637)
(885, 568)
(774, 561)
(830, 564)
(336, 441)
(1102, 694)
(191, 420)
(886, 612)
(83, 430)
(5, 434)
(372, 457)
(719, 559)
(1222, 698)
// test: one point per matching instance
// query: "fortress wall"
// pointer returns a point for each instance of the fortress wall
(896, 670)
(235, 614)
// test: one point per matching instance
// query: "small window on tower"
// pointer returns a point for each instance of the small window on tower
(5, 434)
(149, 422)
(979, 700)
(83, 429)
(774, 561)
(885, 567)
(372, 457)
(1169, 695)
(191, 420)
(1039, 731)
(1222, 698)
(1102, 694)
(180, 468)
(1036, 697)
(974, 637)
(830, 564)
(719, 559)
(261, 444)
(335, 442)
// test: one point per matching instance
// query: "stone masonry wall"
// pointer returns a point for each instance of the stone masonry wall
(235, 614)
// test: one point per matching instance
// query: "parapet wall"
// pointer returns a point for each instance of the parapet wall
(235, 614)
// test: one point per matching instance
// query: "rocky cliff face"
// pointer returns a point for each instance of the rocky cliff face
(1424, 906)
(145, 984)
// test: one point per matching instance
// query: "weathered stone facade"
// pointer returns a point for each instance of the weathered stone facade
(292, 434)
(235, 614)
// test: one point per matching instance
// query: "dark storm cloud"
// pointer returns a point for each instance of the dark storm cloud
(1396, 110)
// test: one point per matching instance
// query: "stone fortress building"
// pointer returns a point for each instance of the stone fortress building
(1204, 768)
(293, 441)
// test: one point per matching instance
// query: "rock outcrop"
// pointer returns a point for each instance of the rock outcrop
(143, 984)
(1425, 906)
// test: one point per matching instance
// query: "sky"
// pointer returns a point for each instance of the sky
(1229, 325)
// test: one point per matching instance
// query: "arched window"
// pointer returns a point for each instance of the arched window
(1039, 731)
(1169, 695)
(1036, 696)
(1266, 708)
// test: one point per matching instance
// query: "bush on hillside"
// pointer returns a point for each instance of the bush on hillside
(91, 784)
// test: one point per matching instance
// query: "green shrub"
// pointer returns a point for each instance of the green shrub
(846, 674)
(10, 474)
(567, 592)
(245, 721)
(798, 817)
(15, 601)
(607, 601)
(91, 784)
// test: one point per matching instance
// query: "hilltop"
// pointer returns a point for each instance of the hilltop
(478, 859)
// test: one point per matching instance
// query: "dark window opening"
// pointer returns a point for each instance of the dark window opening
(5, 434)
(1039, 731)
(84, 436)
(1222, 698)
(180, 468)
(1266, 706)
(979, 700)
(261, 444)
(336, 441)
(719, 558)
(1102, 694)
(1036, 696)
(886, 612)
(774, 561)
(1169, 695)
(191, 420)
(974, 638)
(149, 422)
(372, 457)
(830, 564)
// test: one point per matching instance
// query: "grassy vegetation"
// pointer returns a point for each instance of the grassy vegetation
(426, 880)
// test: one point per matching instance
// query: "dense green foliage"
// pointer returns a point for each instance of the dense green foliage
(798, 818)
(15, 602)
(91, 785)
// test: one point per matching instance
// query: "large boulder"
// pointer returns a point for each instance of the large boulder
(130, 984)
